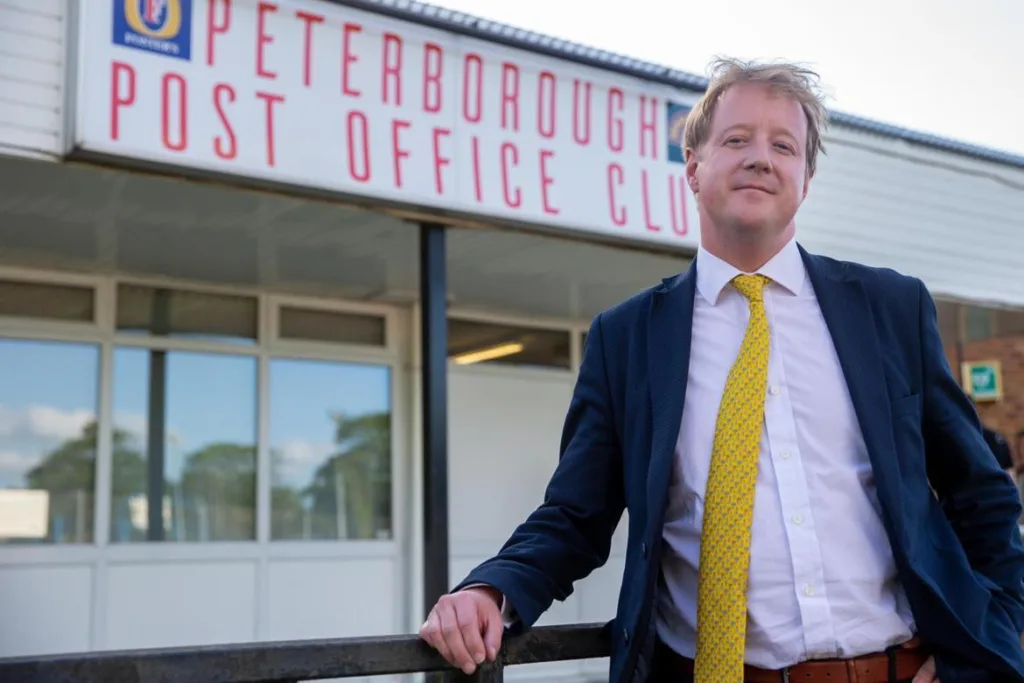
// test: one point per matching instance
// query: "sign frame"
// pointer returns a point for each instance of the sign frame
(968, 373)
(625, 184)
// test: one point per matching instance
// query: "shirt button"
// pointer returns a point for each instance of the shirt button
(643, 550)
(798, 519)
(786, 455)
(808, 589)
(774, 390)
(625, 637)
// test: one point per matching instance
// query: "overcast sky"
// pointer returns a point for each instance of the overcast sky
(950, 67)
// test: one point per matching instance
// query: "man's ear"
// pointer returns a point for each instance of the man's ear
(691, 169)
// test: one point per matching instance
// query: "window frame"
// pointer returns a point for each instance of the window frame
(267, 345)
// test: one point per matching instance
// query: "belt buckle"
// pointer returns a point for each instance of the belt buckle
(785, 675)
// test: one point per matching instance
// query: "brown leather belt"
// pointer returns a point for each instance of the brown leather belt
(873, 668)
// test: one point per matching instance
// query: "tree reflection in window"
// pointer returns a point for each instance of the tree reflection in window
(331, 451)
(184, 465)
(48, 398)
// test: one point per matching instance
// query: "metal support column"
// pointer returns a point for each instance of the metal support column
(434, 355)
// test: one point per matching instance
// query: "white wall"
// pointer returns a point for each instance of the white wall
(953, 221)
(505, 428)
(32, 33)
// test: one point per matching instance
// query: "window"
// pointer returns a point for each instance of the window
(181, 314)
(44, 301)
(184, 446)
(48, 398)
(471, 342)
(310, 324)
(330, 450)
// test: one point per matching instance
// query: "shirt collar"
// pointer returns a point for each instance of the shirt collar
(786, 269)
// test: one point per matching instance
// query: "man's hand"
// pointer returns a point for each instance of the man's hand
(927, 672)
(465, 627)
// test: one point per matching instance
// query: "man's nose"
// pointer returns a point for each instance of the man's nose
(759, 158)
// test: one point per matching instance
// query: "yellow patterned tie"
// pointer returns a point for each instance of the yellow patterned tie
(729, 502)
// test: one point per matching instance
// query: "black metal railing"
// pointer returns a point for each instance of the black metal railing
(303, 660)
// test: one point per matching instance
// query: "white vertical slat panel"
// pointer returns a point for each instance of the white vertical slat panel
(32, 44)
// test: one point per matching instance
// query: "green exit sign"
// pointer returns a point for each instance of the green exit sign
(983, 380)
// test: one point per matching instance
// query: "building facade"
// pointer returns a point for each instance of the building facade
(211, 413)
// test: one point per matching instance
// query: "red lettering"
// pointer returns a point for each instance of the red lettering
(439, 161)
(653, 227)
(270, 101)
(362, 175)
(165, 118)
(509, 94)
(615, 123)
(214, 27)
(347, 60)
(615, 177)
(307, 43)
(232, 146)
(262, 39)
(650, 126)
(117, 99)
(679, 227)
(477, 184)
(474, 59)
(433, 62)
(546, 109)
(392, 70)
(546, 181)
(516, 199)
(397, 152)
(581, 138)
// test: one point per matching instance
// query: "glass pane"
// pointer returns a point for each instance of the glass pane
(331, 326)
(46, 301)
(184, 466)
(978, 323)
(330, 450)
(948, 314)
(48, 395)
(1010, 322)
(476, 342)
(186, 315)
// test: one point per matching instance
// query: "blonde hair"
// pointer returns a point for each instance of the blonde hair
(790, 80)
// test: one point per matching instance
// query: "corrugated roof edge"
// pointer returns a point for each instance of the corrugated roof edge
(496, 32)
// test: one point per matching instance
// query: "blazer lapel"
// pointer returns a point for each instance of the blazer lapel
(847, 312)
(668, 357)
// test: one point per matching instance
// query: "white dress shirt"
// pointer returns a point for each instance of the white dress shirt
(822, 578)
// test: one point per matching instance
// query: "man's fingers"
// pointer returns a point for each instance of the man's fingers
(494, 629)
(465, 628)
(452, 634)
(468, 617)
(926, 674)
(430, 631)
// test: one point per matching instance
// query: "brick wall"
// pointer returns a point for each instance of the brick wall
(1007, 415)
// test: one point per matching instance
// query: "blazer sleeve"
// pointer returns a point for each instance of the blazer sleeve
(569, 535)
(980, 501)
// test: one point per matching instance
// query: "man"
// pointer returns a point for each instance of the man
(784, 422)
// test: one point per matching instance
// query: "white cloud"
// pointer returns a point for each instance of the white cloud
(44, 422)
(137, 425)
(12, 462)
(296, 459)
(299, 452)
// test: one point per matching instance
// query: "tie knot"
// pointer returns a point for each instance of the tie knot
(751, 286)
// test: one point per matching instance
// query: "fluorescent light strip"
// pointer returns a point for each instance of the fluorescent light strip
(488, 354)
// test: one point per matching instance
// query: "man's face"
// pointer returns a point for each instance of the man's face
(750, 175)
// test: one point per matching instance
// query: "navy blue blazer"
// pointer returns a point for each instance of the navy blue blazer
(958, 551)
